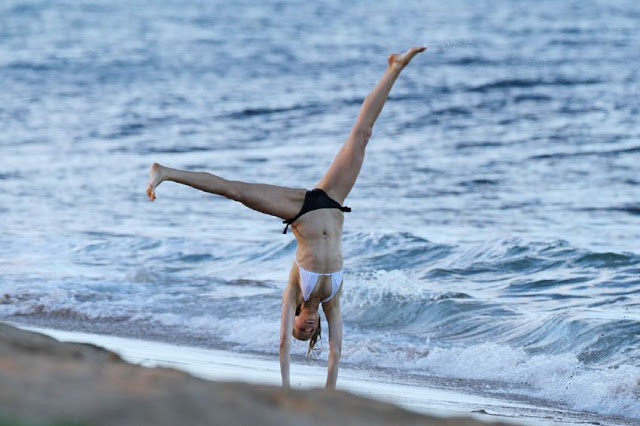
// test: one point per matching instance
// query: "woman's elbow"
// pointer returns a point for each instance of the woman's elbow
(335, 351)
(284, 346)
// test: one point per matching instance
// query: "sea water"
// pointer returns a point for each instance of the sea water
(495, 226)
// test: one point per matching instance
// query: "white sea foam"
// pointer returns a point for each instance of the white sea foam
(371, 289)
(142, 275)
(559, 378)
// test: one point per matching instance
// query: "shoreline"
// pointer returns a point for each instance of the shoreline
(221, 365)
(224, 366)
(430, 396)
(46, 380)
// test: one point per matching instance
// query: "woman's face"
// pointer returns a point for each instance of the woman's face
(305, 324)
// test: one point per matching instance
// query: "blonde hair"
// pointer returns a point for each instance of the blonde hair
(312, 342)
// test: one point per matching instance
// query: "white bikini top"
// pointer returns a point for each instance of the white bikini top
(309, 279)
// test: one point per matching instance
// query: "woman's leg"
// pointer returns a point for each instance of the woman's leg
(342, 174)
(273, 200)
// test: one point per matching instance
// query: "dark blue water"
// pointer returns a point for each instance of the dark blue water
(495, 223)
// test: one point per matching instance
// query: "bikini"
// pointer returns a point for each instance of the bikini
(314, 200)
(308, 280)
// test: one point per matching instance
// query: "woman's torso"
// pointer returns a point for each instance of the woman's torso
(319, 236)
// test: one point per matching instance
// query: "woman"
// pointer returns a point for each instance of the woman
(316, 219)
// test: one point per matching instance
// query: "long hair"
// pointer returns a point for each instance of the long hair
(312, 342)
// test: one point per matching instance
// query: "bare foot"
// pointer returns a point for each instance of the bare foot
(401, 60)
(156, 176)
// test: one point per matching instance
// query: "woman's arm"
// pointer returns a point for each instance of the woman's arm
(286, 327)
(334, 319)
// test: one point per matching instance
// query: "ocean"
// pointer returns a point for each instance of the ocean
(493, 241)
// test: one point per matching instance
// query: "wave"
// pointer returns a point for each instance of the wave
(252, 112)
(560, 378)
(408, 303)
(173, 149)
(503, 254)
(606, 260)
(472, 60)
(479, 182)
(31, 66)
(478, 144)
(318, 108)
(526, 285)
(450, 112)
(607, 153)
(532, 97)
(392, 251)
(632, 209)
(10, 176)
(518, 83)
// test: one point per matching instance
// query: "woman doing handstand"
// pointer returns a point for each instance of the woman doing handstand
(316, 219)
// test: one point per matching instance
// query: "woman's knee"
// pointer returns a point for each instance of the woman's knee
(365, 133)
(360, 137)
(234, 191)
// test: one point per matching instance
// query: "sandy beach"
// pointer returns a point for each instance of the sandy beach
(45, 380)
